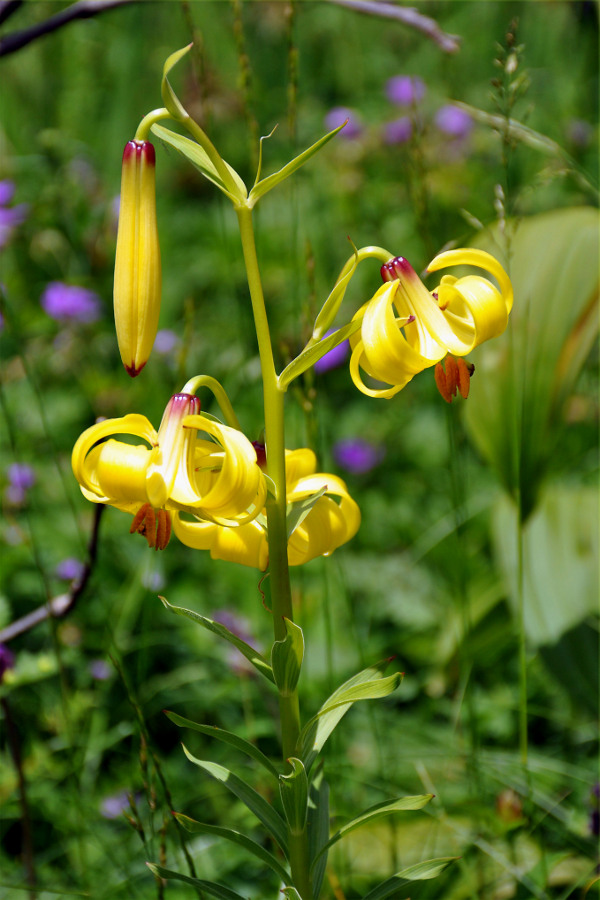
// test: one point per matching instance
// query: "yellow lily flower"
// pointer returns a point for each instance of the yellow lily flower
(406, 328)
(216, 480)
(333, 520)
(137, 286)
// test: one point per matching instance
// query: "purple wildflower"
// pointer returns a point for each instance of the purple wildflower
(166, 341)
(337, 116)
(21, 477)
(69, 569)
(579, 132)
(7, 660)
(100, 670)
(405, 90)
(65, 302)
(10, 217)
(399, 131)
(112, 807)
(333, 358)
(454, 122)
(357, 455)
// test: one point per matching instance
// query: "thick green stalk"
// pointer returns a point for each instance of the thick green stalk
(281, 595)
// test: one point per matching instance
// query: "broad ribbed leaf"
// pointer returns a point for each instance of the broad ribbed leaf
(369, 684)
(523, 380)
(271, 181)
(252, 655)
(168, 94)
(286, 658)
(403, 804)
(294, 796)
(263, 810)
(431, 868)
(228, 737)
(209, 887)
(235, 837)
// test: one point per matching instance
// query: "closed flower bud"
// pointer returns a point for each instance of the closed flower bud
(137, 286)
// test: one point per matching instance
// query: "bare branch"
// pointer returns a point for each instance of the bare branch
(59, 606)
(449, 43)
(7, 8)
(84, 9)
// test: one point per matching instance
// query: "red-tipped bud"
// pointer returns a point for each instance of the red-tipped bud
(137, 287)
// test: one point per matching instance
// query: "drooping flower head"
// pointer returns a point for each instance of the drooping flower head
(406, 328)
(137, 287)
(215, 479)
(332, 520)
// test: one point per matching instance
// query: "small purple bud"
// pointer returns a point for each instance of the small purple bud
(399, 131)
(69, 569)
(100, 670)
(166, 341)
(454, 122)
(112, 807)
(333, 358)
(20, 475)
(405, 90)
(7, 660)
(357, 455)
(337, 116)
(398, 268)
(66, 302)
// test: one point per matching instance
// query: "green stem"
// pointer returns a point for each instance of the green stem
(148, 121)
(219, 394)
(281, 594)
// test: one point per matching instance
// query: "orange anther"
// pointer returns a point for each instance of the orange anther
(451, 375)
(465, 370)
(163, 529)
(440, 380)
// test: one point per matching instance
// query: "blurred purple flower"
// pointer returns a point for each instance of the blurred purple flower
(10, 217)
(405, 90)
(454, 122)
(337, 116)
(579, 132)
(21, 477)
(65, 302)
(153, 580)
(357, 455)
(166, 341)
(333, 358)
(7, 660)
(69, 569)
(239, 626)
(112, 807)
(100, 670)
(399, 131)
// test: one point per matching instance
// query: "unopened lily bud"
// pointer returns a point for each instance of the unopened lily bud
(137, 286)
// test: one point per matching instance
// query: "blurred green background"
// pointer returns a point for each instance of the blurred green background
(457, 499)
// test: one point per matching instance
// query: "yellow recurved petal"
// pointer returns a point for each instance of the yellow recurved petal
(170, 473)
(234, 489)
(89, 469)
(137, 284)
(244, 544)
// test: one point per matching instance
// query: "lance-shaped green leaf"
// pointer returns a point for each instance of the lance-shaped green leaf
(330, 308)
(313, 352)
(402, 804)
(209, 887)
(271, 181)
(286, 658)
(370, 684)
(299, 509)
(263, 810)
(169, 96)
(318, 827)
(235, 837)
(228, 737)
(199, 158)
(294, 796)
(252, 655)
(431, 868)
